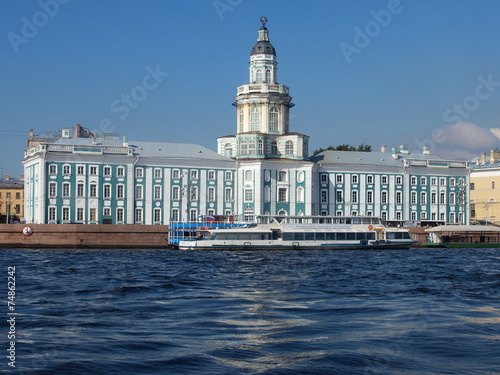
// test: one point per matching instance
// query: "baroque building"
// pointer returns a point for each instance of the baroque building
(77, 175)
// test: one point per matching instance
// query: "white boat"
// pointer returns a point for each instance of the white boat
(303, 233)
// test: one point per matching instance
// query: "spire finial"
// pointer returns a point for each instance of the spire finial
(263, 19)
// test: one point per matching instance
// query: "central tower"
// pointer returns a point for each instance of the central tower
(263, 108)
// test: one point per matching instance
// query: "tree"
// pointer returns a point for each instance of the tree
(344, 147)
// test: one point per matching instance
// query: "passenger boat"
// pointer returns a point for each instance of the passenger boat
(302, 233)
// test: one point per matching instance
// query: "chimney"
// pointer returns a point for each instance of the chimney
(483, 158)
(426, 150)
(395, 153)
(383, 148)
(494, 156)
(404, 149)
(78, 131)
(7, 177)
(31, 134)
(125, 141)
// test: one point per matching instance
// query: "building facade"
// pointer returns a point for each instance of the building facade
(76, 175)
(11, 198)
(485, 189)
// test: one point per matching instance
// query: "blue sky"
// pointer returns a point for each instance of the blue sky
(374, 72)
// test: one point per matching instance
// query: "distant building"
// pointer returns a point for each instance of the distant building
(11, 198)
(76, 175)
(485, 188)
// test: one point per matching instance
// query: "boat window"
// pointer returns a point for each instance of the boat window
(298, 236)
(341, 236)
(370, 235)
(255, 236)
(351, 236)
(309, 236)
(356, 220)
(320, 236)
(406, 236)
(287, 236)
(231, 236)
(330, 236)
(360, 236)
(366, 220)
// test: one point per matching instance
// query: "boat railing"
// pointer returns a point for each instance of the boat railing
(186, 230)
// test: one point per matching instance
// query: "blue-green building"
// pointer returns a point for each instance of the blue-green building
(77, 176)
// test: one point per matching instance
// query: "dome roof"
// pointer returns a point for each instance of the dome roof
(263, 46)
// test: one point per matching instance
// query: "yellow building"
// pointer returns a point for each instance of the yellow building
(11, 198)
(485, 189)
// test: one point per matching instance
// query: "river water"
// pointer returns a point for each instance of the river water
(418, 311)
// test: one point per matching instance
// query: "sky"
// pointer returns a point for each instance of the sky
(388, 72)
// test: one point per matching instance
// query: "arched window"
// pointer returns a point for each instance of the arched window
(251, 147)
(268, 76)
(243, 148)
(274, 148)
(282, 213)
(248, 175)
(267, 194)
(228, 150)
(258, 76)
(261, 147)
(289, 148)
(300, 194)
(242, 119)
(273, 120)
(254, 119)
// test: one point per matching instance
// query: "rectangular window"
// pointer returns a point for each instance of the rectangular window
(399, 180)
(107, 171)
(138, 192)
(398, 215)
(472, 186)
(106, 211)
(384, 180)
(138, 215)
(157, 173)
(339, 179)
(93, 214)
(52, 190)
(211, 175)
(339, 196)
(157, 192)
(423, 181)
(248, 195)
(413, 180)
(119, 214)
(452, 184)
(282, 195)
(398, 197)
(66, 169)
(66, 190)
(452, 198)
(211, 193)
(53, 169)
(93, 170)
(120, 191)
(433, 197)
(194, 193)
(413, 215)
(79, 214)
(282, 176)
(354, 178)
(18, 195)
(176, 173)
(120, 171)
(324, 196)
(433, 181)
(228, 194)
(93, 190)
(175, 214)
(157, 215)
(52, 214)
(194, 174)
(139, 172)
(175, 193)
(369, 179)
(80, 169)
(423, 198)
(65, 214)
(413, 197)
(442, 181)
(193, 214)
(324, 178)
(79, 190)
(228, 176)
(107, 191)
(423, 215)
(442, 198)
(369, 196)
(354, 197)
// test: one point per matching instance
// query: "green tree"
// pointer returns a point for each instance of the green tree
(344, 147)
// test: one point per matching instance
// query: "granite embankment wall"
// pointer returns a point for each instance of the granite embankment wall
(84, 236)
